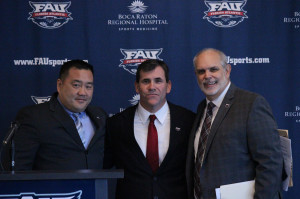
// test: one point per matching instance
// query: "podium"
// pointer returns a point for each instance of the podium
(78, 184)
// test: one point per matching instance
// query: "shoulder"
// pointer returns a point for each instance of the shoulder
(127, 113)
(96, 110)
(180, 110)
(32, 109)
(248, 97)
(34, 114)
(242, 93)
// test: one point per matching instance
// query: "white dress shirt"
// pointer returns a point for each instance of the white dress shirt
(162, 124)
(215, 110)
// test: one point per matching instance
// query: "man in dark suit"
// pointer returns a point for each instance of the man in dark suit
(152, 169)
(241, 142)
(64, 133)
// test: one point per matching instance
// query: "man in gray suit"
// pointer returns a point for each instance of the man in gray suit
(239, 141)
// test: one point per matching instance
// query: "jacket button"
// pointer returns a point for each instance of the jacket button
(155, 178)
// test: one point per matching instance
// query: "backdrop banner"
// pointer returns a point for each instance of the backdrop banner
(260, 38)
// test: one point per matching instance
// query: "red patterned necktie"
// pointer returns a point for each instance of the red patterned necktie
(152, 145)
(201, 148)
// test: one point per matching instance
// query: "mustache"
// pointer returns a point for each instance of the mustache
(209, 81)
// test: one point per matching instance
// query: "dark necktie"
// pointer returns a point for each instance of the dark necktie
(201, 148)
(152, 145)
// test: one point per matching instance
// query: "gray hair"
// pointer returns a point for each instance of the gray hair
(223, 57)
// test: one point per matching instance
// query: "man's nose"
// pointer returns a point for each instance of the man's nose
(82, 90)
(207, 74)
(151, 85)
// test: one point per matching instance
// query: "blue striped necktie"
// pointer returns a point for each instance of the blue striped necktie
(79, 128)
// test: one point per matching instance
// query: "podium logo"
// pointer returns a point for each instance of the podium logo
(50, 15)
(73, 195)
(133, 57)
(225, 13)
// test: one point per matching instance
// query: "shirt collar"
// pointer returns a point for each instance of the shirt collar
(161, 114)
(81, 114)
(218, 100)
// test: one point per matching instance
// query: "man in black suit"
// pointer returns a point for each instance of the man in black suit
(242, 142)
(148, 175)
(64, 133)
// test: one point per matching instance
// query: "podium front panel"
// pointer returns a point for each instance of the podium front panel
(51, 189)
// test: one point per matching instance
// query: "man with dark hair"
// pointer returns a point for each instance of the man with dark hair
(149, 140)
(234, 138)
(64, 133)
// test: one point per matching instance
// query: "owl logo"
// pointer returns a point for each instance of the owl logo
(134, 57)
(50, 15)
(225, 13)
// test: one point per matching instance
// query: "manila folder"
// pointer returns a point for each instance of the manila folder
(244, 190)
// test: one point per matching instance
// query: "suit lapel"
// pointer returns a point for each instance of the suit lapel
(223, 110)
(191, 151)
(99, 120)
(128, 132)
(199, 115)
(175, 134)
(64, 119)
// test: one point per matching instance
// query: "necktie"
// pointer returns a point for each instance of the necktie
(152, 145)
(201, 148)
(79, 128)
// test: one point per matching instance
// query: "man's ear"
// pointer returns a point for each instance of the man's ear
(228, 70)
(58, 84)
(137, 87)
(169, 86)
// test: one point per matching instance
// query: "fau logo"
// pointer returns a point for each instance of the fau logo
(74, 195)
(133, 57)
(50, 15)
(40, 100)
(225, 13)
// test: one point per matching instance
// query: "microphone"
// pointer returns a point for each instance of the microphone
(13, 128)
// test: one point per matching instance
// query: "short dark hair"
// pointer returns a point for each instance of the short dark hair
(150, 65)
(77, 63)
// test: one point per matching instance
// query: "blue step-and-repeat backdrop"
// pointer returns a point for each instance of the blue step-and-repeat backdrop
(260, 38)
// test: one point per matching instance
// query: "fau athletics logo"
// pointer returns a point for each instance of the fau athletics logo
(50, 15)
(74, 195)
(133, 57)
(225, 13)
(40, 100)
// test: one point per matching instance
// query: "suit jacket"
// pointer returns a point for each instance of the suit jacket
(48, 139)
(243, 144)
(123, 152)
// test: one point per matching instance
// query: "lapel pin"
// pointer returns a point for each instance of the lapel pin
(98, 117)
(177, 129)
(227, 105)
